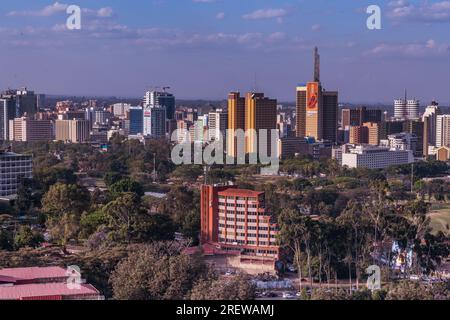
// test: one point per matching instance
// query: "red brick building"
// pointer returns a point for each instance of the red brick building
(236, 221)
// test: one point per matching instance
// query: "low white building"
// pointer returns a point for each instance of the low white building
(375, 157)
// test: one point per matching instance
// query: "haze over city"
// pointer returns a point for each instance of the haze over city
(205, 48)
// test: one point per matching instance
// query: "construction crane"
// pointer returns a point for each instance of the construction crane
(165, 88)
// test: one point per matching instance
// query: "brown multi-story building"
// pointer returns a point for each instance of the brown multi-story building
(75, 131)
(359, 135)
(27, 130)
(359, 116)
(236, 121)
(317, 109)
(373, 129)
(260, 113)
(237, 221)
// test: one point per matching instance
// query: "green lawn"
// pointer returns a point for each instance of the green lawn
(440, 218)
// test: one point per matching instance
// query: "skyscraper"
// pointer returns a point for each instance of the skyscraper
(236, 121)
(260, 113)
(430, 117)
(443, 131)
(161, 99)
(406, 108)
(217, 124)
(7, 113)
(136, 117)
(317, 109)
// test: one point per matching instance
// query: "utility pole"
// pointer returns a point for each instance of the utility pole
(412, 177)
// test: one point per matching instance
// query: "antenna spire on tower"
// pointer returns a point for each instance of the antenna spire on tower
(316, 65)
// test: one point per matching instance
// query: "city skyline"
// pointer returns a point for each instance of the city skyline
(124, 49)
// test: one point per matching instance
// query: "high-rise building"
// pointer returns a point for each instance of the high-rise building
(357, 117)
(443, 131)
(7, 113)
(359, 135)
(406, 108)
(416, 128)
(161, 99)
(317, 109)
(373, 132)
(26, 102)
(260, 113)
(15, 167)
(236, 121)
(75, 131)
(121, 109)
(238, 222)
(136, 117)
(27, 130)
(430, 118)
(217, 124)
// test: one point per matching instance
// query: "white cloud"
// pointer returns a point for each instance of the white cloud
(44, 12)
(278, 14)
(220, 16)
(416, 49)
(403, 10)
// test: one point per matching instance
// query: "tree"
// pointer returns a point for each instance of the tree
(26, 237)
(6, 240)
(24, 196)
(159, 271)
(63, 206)
(127, 185)
(239, 287)
(408, 290)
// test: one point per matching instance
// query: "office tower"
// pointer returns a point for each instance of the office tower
(75, 131)
(443, 131)
(120, 109)
(406, 108)
(260, 113)
(359, 135)
(161, 99)
(317, 109)
(136, 117)
(15, 168)
(390, 127)
(7, 113)
(357, 117)
(40, 102)
(237, 221)
(217, 124)
(416, 127)
(89, 116)
(301, 111)
(29, 130)
(373, 132)
(101, 117)
(330, 115)
(412, 109)
(430, 117)
(26, 102)
(158, 122)
(236, 121)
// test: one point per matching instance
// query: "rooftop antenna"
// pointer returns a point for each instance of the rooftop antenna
(316, 65)
(255, 84)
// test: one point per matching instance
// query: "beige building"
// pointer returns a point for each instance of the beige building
(76, 131)
(373, 133)
(26, 130)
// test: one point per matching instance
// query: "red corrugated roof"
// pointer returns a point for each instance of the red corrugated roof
(33, 273)
(49, 290)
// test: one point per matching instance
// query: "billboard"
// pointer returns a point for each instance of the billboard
(312, 96)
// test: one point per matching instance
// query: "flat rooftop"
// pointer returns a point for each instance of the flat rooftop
(45, 291)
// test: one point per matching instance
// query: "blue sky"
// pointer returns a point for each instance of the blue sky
(206, 48)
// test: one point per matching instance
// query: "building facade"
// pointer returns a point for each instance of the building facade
(13, 168)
